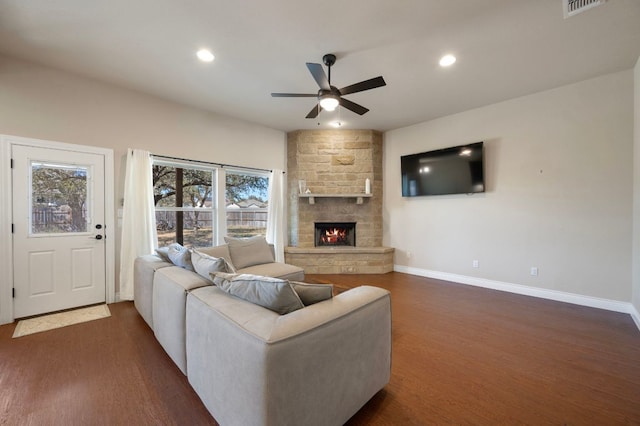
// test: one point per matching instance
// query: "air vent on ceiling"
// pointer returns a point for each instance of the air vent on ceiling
(573, 7)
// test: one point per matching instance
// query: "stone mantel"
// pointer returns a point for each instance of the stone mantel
(312, 197)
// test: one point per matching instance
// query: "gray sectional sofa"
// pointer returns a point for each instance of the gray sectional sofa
(316, 365)
(145, 268)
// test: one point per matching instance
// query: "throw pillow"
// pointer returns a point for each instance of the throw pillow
(219, 278)
(204, 264)
(247, 252)
(312, 293)
(180, 256)
(163, 252)
(271, 293)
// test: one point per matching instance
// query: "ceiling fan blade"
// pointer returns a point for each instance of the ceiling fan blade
(314, 112)
(294, 95)
(363, 85)
(319, 75)
(358, 109)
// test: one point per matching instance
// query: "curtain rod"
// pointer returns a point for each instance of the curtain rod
(222, 165)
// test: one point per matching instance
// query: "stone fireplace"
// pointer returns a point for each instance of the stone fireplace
(334, 166)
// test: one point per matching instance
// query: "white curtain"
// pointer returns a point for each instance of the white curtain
(139, 236)
(275, 216)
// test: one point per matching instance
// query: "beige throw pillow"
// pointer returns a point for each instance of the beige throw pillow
(247, 252)
(271, 293)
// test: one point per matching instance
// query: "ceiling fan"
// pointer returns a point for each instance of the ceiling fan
(329, 97)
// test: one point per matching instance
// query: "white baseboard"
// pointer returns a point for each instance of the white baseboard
(560, 296)
(636, 316)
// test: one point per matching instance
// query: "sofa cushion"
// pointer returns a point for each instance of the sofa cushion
(180, 256)
(170, 289)
(204, 265)
(271, 293)
(312, 293)
(284, 271)
(247, 252)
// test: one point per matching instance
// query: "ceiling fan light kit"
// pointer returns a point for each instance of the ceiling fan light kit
(329, 102)
(329, 97)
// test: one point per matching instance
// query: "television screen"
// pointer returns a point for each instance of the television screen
(456, 170)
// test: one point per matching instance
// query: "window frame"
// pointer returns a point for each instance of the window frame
(178, 164)
(218, 207)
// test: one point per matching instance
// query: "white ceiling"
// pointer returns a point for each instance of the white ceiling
(505, 49)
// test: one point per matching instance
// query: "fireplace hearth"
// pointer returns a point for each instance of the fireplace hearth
(332, 234)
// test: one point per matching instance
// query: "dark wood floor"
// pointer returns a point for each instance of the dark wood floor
(461, 355)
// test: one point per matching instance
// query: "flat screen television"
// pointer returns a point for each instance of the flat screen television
(455, 170)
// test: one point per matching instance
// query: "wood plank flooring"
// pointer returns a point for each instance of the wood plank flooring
(110, 371)
(461, 355)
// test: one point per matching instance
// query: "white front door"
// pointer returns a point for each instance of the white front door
(58, 236)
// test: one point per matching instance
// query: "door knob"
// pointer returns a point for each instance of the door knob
(98, 237)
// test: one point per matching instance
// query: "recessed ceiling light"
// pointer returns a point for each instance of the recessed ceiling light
(205, 55)
(447, 60)
(336, 124)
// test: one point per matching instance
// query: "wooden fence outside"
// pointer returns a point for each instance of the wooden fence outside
(249, 218)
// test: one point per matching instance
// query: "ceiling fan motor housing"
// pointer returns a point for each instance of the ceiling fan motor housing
(334, 91)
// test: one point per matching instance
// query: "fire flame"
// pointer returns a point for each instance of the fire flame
(334, 235)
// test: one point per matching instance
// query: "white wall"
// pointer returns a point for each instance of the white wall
(44, 103)
(636, 191)
(48, 104)
(559, 175)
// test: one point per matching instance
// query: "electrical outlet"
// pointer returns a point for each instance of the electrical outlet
(534, 271)
(476, 264)
(409, 254)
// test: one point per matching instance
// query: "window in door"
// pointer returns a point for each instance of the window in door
(58, 198)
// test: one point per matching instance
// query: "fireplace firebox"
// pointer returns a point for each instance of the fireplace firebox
(335, 234)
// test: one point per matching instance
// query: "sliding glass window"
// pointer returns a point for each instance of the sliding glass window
(194, 210)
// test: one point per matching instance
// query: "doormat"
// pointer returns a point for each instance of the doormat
(61, 319)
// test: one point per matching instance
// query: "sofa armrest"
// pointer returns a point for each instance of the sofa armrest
(327, 311)
(144, 270)
(337, 354)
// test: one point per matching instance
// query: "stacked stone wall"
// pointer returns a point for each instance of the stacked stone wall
(335, 162)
